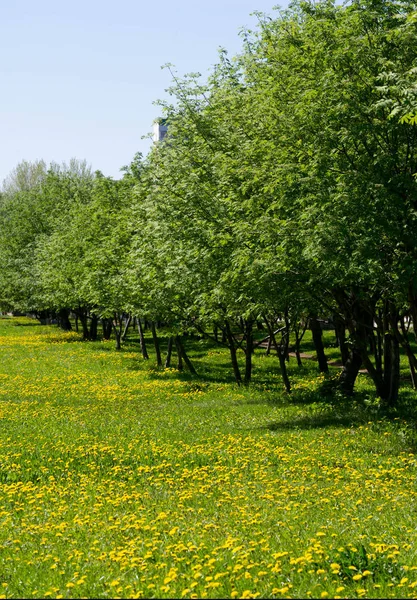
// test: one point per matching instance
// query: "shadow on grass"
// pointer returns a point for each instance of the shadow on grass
(319, 421)
(195, 350)
(52, 339)
(220, 373)
(336, 411)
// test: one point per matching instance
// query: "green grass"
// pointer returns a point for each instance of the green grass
(118, 479)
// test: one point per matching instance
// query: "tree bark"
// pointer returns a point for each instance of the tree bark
(360, 317)
(117, 328)
(268, 348)
(93, 327)
(318, 344)
(180, 366)
(297, 346)
(156, 344)
(169, 352)
(286, 337)
(413, 309)
(64, 321)
(142, 340)
(248, 328)
(124, 334)
(410, 355)
(107, 327)
(84, 324)
(284, 372)
(357, 329)
(118, 338)
(281, 356)
(395, 373)
(180, 347)
(233, 355)
(350, 372)
(340, 330)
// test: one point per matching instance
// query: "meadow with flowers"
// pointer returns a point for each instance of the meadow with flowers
(119, 479)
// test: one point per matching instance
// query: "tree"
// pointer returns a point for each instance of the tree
(24, 177)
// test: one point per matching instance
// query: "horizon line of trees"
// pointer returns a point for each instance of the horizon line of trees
(284, 192)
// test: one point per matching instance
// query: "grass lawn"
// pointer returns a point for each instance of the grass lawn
(121, 480)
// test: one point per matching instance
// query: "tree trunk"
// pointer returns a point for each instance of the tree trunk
(318, 344)
(93, 327)
(248, 325)
(360, 317)
(142, 340)
(180, 366)
(169, 352)
(392, 400)
(76, 323)
(284, 373)
(184, 355)
(298, 339)
(378, 348)
(413, 310)
(286, 337)
(233, 355)
(117, 328)
(64, 321)
(410, 355)
(84, 324)
(224, 337)
(124, 334)
(107, 327)
(297, 346)
(350, 372)
(412, 372)
(281, 356)
(268, 348)
(388, 356)
(359, 334)
(118, 337)
(156, 344)
(340, 330)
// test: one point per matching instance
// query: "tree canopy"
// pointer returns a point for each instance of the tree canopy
(284, 193)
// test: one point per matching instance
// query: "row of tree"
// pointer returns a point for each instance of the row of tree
(284, 192)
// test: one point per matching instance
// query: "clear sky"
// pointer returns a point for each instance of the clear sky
(78, 79)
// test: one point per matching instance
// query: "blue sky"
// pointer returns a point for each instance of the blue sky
(79, 78)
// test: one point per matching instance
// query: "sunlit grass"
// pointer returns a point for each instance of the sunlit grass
(121, 480)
